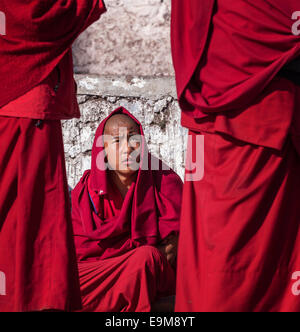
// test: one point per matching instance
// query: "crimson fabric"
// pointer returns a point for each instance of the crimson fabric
(52, 99)
(150, 211)
(239, 241)
(107, 228)
(127, 283)
(38, 36)
(37, 254)
(232, 88)
(262, 123)
(234, 48)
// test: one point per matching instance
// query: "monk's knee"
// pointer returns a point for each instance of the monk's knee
(147, 255)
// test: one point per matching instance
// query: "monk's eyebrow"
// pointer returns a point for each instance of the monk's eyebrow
(131, 131)
(134, 130)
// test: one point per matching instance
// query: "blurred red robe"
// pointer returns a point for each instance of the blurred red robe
(239, 244)
(37, 256)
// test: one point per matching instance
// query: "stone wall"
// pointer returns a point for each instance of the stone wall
(125, 60)
(132, 38)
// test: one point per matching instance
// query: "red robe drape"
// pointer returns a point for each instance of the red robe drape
(119, 267)
(38, 36)
(38, 267)
(37, 254)
(240, 239)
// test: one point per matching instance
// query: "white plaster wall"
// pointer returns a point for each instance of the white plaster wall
(132, 38)
(158, 113)
(125, 60)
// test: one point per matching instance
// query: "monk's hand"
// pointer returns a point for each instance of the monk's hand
(169, 248)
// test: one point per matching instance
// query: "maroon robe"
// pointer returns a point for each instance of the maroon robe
(38, 269)
(240, 237)
(120, 267)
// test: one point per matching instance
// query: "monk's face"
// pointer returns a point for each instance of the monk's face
(122, 143)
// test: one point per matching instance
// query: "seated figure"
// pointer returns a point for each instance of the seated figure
(125, 214)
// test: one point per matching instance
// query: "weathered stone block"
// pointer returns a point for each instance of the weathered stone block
(132, 38)
(159, 115)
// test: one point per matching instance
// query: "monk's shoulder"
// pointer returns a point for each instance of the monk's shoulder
(85, 176)
(166, 176)
(81, 184)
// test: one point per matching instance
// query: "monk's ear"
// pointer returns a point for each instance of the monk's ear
(105, 151)
(105, 158)
(105, 144)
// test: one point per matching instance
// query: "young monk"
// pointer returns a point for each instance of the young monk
(37, 255)
(126, 221)
(239, 248)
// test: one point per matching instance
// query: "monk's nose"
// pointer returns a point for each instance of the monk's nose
(127, 148)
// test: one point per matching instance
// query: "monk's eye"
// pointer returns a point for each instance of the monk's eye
(134, 140)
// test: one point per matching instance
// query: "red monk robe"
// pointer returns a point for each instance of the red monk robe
(239, 248)
(37, 255)
(120, 268)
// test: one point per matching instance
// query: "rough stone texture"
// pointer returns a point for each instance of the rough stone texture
(125, 60)
(158, 112)
(132, 38)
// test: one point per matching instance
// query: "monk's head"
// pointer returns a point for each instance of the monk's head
(122, 143)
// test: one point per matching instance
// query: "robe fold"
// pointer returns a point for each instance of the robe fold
(37, 254)
(38, 36)
(227, 56)
(38, 269)
(120, 268)
(240, 239)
